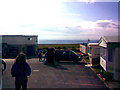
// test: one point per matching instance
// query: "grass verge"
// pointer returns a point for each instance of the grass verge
(58, 46)
(86, 58)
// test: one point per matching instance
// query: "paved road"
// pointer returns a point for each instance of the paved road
(66, 75)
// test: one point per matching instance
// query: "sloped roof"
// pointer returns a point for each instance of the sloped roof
(93, 44)
(19, 35)
(109, 39)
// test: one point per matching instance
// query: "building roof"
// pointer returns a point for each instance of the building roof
(19, 35)
(85, 44)
(93, 44)
(110, 39)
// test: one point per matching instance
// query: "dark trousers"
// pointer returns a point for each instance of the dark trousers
(18, 85)
(40, 59)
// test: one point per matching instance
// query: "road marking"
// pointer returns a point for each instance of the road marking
(88, 65)
(35, 70)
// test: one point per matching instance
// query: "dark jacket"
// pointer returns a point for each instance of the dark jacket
(20, 70)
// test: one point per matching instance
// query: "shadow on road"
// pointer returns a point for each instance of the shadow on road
(71, 63)
(57, 67)
(60, 65)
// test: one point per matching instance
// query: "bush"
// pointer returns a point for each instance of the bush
(64, 48)
(108, 76)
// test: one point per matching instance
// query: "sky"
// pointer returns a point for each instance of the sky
(59, 19)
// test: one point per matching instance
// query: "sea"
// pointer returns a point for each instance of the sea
(66, 41)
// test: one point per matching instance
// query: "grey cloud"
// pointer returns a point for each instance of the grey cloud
(102, 27)
(107, 24)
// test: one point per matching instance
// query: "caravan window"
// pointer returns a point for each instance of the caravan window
(29, 38)
(97, 51)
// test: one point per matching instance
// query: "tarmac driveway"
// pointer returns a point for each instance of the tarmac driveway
(66, 75)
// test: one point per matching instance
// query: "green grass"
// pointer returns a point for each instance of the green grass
(86, 60)
(58, 46)
(74, 47)
(107, 75)
(97, 69)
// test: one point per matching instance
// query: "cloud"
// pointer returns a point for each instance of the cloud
(92, 30)
(65, 30)
(48, 19)
(106, 27)
(81, 30)
(107, 24)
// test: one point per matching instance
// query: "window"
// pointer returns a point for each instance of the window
(97, 51)
(36, 40)
(103, 53)
(90, 50)
(29, 38)
(71, 53)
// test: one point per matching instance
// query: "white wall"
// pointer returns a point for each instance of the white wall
(112, 66)
(83, 49)
(103, 63)
(102, 43)
(93, 51)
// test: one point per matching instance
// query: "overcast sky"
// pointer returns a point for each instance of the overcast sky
(59, 19)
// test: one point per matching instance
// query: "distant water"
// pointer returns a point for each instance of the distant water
(66, 41)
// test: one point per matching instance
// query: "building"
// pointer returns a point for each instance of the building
(84, 48)
(12, 45)
(94, 53)
(110, 55)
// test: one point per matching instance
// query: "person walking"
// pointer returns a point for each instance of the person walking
(20, 70)
(40, 56)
